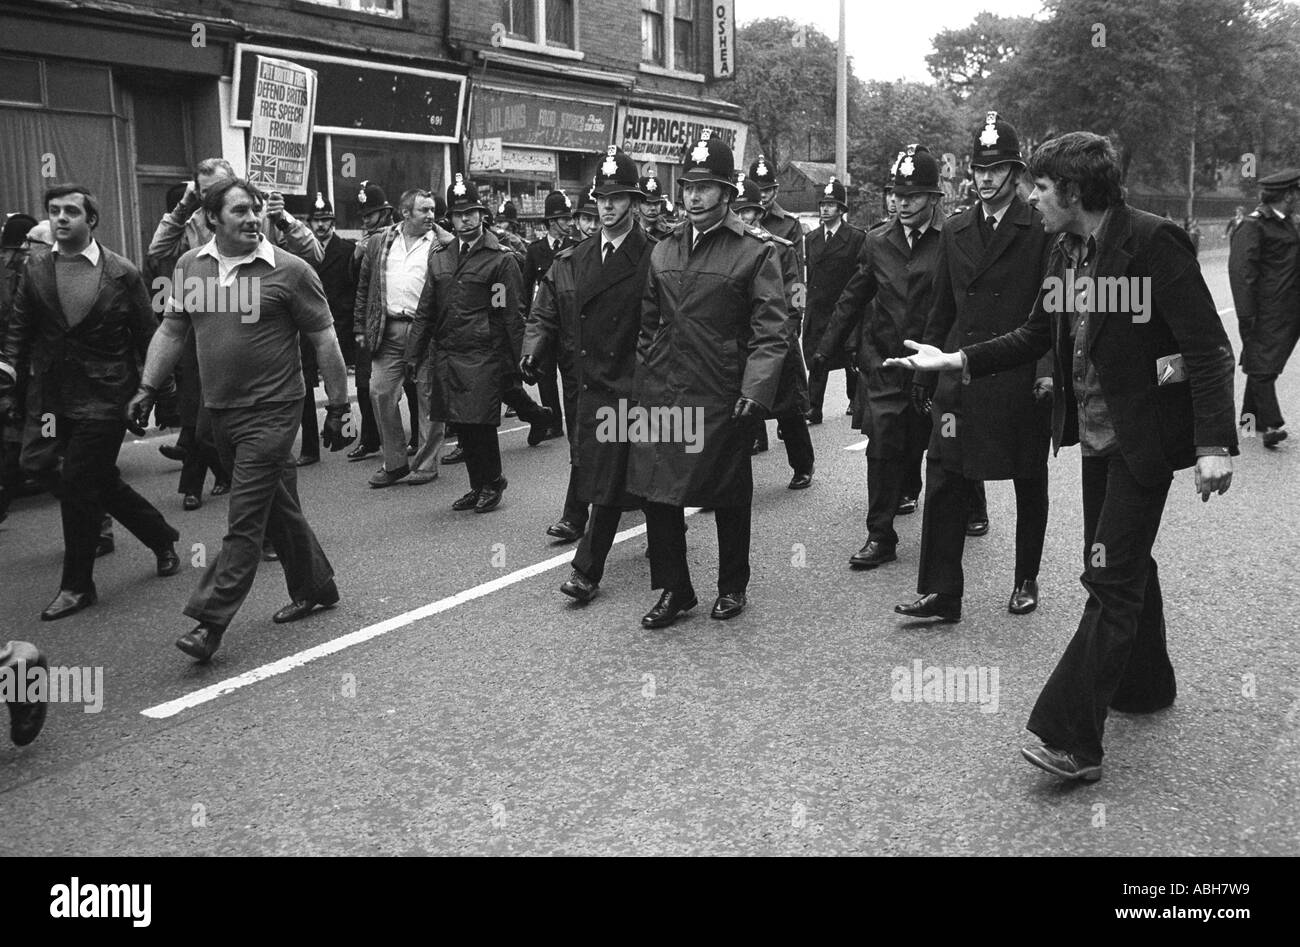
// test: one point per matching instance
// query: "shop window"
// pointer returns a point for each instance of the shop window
(652, 32)
(684, 35)
(22, 81)
(391, 8)
(395, 166)
(77, 87)
(541, 22)
(161, 128)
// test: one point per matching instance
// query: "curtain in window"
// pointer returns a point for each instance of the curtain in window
(81, 148)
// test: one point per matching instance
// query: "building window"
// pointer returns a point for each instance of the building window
(517, 15)
(391, 8)
(540, 22)
(684, 35)
(652, 32)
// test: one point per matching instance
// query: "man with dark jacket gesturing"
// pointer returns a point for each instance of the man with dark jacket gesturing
(1143, 383)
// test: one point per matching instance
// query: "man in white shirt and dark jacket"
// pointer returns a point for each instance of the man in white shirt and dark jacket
(1143, 376)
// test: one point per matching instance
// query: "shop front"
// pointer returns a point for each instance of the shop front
(522, 144)
(389, 125)
(655, 139)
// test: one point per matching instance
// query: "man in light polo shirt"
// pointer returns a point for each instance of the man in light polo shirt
(247, 301)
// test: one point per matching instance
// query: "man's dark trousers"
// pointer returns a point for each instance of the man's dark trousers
(597, 541)
(891, 478)
(200, 455)
(575, 511)
(369, 426)
(949, 499)
(256, 446)
(88, 486)
(1261, 401)
(666, 537)
(482, 452)
(817, 381)
(1118, 656)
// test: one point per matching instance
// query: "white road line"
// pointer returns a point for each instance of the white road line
(202, 696)
(860, 445)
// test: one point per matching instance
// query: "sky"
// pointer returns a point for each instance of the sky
(883, 41)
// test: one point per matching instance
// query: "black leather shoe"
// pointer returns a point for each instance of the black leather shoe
(202, 642)
(104, 545)
(361, 452)
(564, 531)
(1273, 436)
(1059, 763)
(172, 452)
(758, 447)
(467, 502)
(269, 554)
(934, 605)
(1024, 598)
(580, 587)
(327, 596)
(728, 605)
(977, 526)
(26, 717)
(168, 562)
(541, 426)
(800, 481)
(814, 417)
(386, 478)
(669, 606)
(221, 489)
(906, 506)
(489, 498)
(872, 554)
(68, 603)
(454, 456)
(191, 502)
(306, 460)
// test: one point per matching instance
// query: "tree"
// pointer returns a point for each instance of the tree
(964, 58)
(785, 79)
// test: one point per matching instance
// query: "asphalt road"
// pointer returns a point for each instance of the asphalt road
(455, 702)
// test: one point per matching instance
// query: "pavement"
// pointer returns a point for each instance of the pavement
(456, 703)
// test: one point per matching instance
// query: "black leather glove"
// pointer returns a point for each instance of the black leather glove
(528, 368)
(408, 372)
(745, 408)
(920, 396)
(139, 408)
(338, 431)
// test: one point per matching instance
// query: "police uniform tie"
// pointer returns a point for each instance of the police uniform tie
(464, 249)
(609, 251)
(911, 238)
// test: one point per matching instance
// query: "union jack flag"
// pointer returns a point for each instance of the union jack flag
(263, 169)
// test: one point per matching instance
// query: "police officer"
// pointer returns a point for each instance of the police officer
(1264, 272)
(376, 217)
(586, 218)
(776, 219)
(712, 347)
(895, 278)
(992, 258)
(541, 253)
(792, 397)
(588, 306)
(476, 331)
(652, 210)
(506, 228)
(832, 250)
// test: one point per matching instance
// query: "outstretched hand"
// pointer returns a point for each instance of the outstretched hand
(928, 358)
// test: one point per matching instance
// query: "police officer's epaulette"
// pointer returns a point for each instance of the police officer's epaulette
(442, 246)
(1255, 213)
(568, 251)
(758, 233)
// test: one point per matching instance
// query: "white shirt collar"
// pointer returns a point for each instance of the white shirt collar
(997, 216)
(263, 252)
(91, 252)
(617, 241)
(832, 230)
